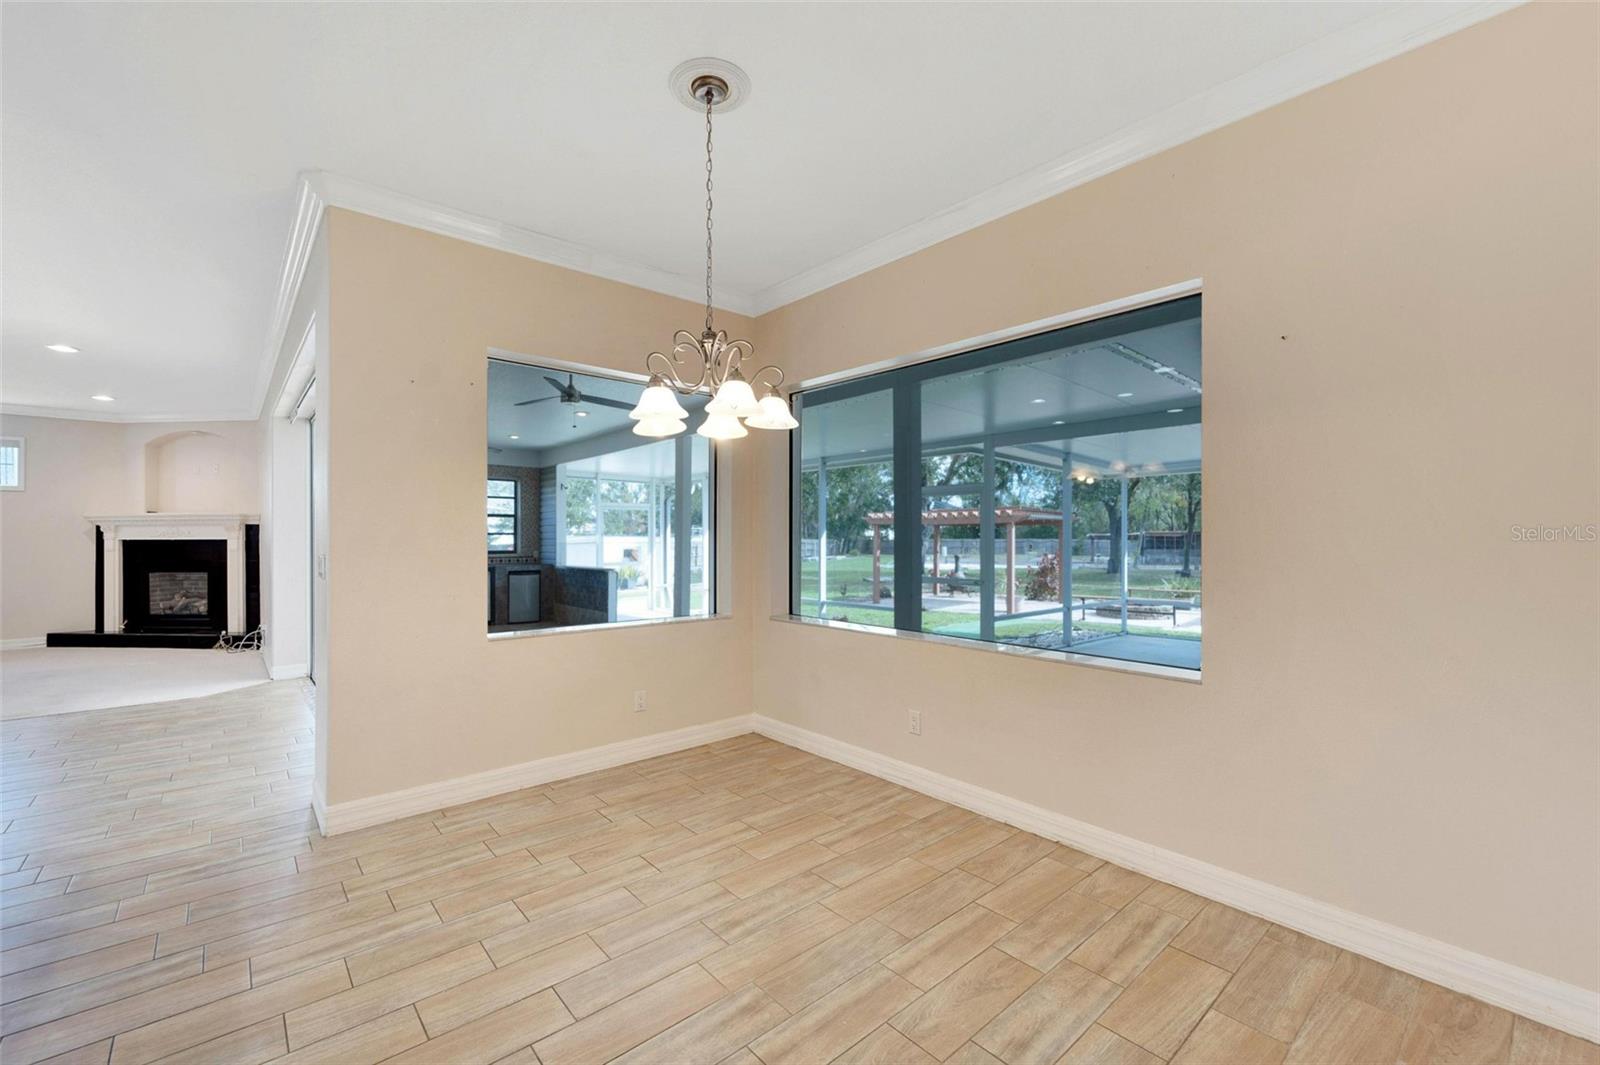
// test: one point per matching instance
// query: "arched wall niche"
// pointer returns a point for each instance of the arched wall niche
(193, 471)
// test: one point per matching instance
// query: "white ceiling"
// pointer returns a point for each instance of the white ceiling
(152, 150)
(1041, 399)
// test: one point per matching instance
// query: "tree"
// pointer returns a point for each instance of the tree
(1108, 493)
(1191, 516)
(580, 505)
(853, 493)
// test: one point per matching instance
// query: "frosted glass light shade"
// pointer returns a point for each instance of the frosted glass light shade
(735, 397)
(658, 401)
(771, 413)
(722, 427)
(658, 425)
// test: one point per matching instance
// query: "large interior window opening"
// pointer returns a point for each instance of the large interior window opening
(614, 527)
(1057, 489)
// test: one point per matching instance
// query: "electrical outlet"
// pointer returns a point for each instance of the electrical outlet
(638, 702)
(916, 722)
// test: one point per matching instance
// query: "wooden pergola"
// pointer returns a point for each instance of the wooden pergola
(1010, 517)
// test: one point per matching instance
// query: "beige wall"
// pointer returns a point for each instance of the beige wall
(1400, 341)
(415, 691)
(46, 548)
(76, 468)
(1399, 707)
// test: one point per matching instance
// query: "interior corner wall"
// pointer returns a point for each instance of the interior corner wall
(417, 692)
(1399, 707)
(74, 468)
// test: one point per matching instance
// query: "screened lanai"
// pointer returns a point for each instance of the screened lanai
(591, 523)
(1059, 496)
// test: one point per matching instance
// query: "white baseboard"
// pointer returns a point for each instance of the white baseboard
(377, 809)
(319, 806)
(288, 672)
(21, 642)
(1556, 1003)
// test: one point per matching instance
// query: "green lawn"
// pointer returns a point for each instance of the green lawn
(951, 623)
(851, 578)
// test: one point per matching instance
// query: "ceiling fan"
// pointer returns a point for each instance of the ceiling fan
(568, 393)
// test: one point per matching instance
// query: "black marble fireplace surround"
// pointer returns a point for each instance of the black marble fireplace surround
(175, 586)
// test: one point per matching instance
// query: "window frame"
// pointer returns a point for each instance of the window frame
(516, 515)
(21, 444)
(903, 379)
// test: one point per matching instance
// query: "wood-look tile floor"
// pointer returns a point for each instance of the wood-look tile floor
(167, 898)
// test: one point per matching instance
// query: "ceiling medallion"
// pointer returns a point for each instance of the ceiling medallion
(710, 84)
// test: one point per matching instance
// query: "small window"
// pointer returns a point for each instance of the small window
(11, 463)
(502, 504)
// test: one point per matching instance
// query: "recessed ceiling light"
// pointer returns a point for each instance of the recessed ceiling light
(64, 349)
(581, 413)
(103, 399)
(1174, 410)
(1058, 422)
(1124, 395)
(514, 436)
(1036, 401)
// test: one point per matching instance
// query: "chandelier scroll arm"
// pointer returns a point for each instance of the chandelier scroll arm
(733, 353)
(683, 342)
(666, 367)
(755, 377)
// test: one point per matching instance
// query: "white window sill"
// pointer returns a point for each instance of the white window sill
(604, 626)
(1119, 665)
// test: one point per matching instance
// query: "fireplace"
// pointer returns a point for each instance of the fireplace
(175, 586)
(172, 580)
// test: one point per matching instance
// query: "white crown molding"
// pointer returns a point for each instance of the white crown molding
(318, 190)
(308, 210)
(1392, 31)
(392, 806)
(1554, 1002)
(339, 191)
(1396, 29)
(73, 414)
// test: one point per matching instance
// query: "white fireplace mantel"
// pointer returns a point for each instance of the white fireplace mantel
(117, 528)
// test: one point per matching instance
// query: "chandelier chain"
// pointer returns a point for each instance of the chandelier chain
(709, 97)
(719, 363)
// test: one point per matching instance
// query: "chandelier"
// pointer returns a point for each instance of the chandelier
(709, 363)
